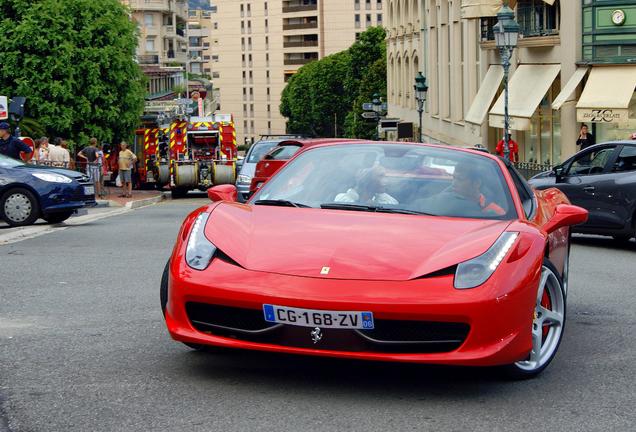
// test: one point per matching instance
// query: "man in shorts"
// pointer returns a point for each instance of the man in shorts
(127, 161)
(89, 154)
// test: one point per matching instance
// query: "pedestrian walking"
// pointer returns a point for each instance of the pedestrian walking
(513, 148)
(43, 155)
(92, 169)
(101, 163)
(127, 161)
(59, 156)
(70, 162)
(585, 139)
(11, 146)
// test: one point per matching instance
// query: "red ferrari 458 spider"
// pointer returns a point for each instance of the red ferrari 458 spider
(379, 251)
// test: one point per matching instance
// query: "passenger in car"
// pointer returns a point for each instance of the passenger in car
(370, 188)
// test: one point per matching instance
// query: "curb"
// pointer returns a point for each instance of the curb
(147, 201)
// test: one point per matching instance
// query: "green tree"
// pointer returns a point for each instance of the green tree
(74, 61)
(324, 98)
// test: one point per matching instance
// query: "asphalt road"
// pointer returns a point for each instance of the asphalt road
(83, 347)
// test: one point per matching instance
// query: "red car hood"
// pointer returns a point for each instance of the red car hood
(352, 244)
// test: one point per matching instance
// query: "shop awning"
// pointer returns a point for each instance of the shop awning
(607, 94)
(569, 88)
(483, 8)
(528, 86)
(487, 91)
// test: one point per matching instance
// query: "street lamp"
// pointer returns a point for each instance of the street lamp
(420, 95)
(506, 35)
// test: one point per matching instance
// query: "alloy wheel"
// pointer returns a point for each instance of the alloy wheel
(17, 207)
(547, 325)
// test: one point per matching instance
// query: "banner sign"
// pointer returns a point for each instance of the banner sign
(599, 115)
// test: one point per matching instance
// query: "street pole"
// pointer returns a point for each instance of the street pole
(506, 54)
(420, 110)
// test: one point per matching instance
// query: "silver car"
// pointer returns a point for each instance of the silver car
(255, 154)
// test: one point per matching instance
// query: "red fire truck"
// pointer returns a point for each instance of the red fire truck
(188, 154)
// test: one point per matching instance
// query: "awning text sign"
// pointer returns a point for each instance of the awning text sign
(602, 115)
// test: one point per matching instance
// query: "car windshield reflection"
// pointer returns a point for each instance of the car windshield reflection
(393, 178)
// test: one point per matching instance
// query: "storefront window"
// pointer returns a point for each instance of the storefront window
(617, 131)
(542, 143)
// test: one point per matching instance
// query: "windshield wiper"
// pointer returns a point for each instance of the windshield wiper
(360, 207)
(346, 206)
(401, 211)
(281, 203)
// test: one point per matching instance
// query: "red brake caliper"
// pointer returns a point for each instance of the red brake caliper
(546, 303)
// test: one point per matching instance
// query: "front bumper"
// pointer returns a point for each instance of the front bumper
(68, 197)
(499, 320)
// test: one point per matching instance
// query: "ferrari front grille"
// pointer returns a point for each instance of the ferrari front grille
(395, 336)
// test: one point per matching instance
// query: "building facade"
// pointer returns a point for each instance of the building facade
(163, 46)
(573, 60)
(261, 44)
(199, 32)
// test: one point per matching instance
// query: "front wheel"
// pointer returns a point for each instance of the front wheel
(58, 217)
(547, 325)
(19, 207)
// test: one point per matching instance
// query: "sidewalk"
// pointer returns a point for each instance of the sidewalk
(140, 198)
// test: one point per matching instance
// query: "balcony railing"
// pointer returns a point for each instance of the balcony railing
(540, 19)
(311, 43)
(309, 25)
(148, 59)
(300, 8)
(535, 18)
(298, 61)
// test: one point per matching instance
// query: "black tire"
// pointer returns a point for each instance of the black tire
(623, 238)
(514, 371)
(163, 290)
(29, 199)
(58, 217)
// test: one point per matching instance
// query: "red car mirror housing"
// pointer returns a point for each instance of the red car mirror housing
(565, 215)
(226, 192)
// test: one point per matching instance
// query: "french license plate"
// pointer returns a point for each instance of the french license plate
(318, 318)
(89, 190)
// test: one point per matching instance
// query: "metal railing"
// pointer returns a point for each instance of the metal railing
(538, 19)
(301, 26)
(530, 169)
(299, 44)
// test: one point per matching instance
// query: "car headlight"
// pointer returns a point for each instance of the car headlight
(52, 178)
(200, 250)
(476, 271)
(243, 179)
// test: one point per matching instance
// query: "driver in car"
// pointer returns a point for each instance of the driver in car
(370, 189)
(463, 196)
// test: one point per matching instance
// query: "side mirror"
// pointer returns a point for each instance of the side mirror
(565, 215)
(558, 172)
(268, 157)
(239, 165)
(226, 192)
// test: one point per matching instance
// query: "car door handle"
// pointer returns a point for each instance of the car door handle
(589, 188)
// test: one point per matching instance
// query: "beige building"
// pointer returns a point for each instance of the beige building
(162, 45)
(464, 73)
(199, 32)
(261, 44)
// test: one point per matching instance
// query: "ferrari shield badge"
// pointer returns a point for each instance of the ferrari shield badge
(325, 270)
(316, 335)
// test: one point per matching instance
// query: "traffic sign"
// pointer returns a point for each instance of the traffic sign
(367, 106)
(370, 115)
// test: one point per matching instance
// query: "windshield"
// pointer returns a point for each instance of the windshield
(7, 162)
(259, 150)
(398, 178)
(284, 152)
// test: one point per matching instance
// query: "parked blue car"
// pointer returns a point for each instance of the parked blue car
(29, 192)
